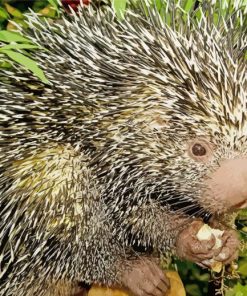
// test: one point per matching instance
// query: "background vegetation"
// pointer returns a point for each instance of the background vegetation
(15, 48)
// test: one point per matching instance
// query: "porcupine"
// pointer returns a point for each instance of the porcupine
(139, 137)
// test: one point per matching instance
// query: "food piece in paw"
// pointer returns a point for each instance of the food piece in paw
(205, 233)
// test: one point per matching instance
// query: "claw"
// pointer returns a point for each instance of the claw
(145, 279)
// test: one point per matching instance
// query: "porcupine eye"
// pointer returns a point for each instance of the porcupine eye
(198, 150)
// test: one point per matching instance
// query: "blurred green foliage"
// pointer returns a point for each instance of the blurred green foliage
(16, 48)
(12, 10)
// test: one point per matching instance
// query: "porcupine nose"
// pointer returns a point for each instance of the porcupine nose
(229, 183)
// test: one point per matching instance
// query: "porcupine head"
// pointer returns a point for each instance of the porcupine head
(138, 138)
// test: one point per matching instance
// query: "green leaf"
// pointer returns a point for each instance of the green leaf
(8, 36)
(4, 64)
(54, 3)
(193, 289)
(243, 267)
(38, 5)
(198, 14)
(119, 7)
(19, 46)
(243, 213)
(238, 290)
(48, 11)
(188, 5)
(14, 11)
(27, 63)
(158, 4)
(3, 14)
(17, 21)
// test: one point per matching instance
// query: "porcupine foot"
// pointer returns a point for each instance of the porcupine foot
(145, 278)
(200, 252)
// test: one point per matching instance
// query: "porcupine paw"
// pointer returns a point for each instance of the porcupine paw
(145, 278)
(229, 249)
(189, 247)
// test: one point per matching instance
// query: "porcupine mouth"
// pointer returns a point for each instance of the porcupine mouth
(240, 205)
(186, 206)
(192, 210)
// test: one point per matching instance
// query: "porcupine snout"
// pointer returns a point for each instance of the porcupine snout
(228, 183)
